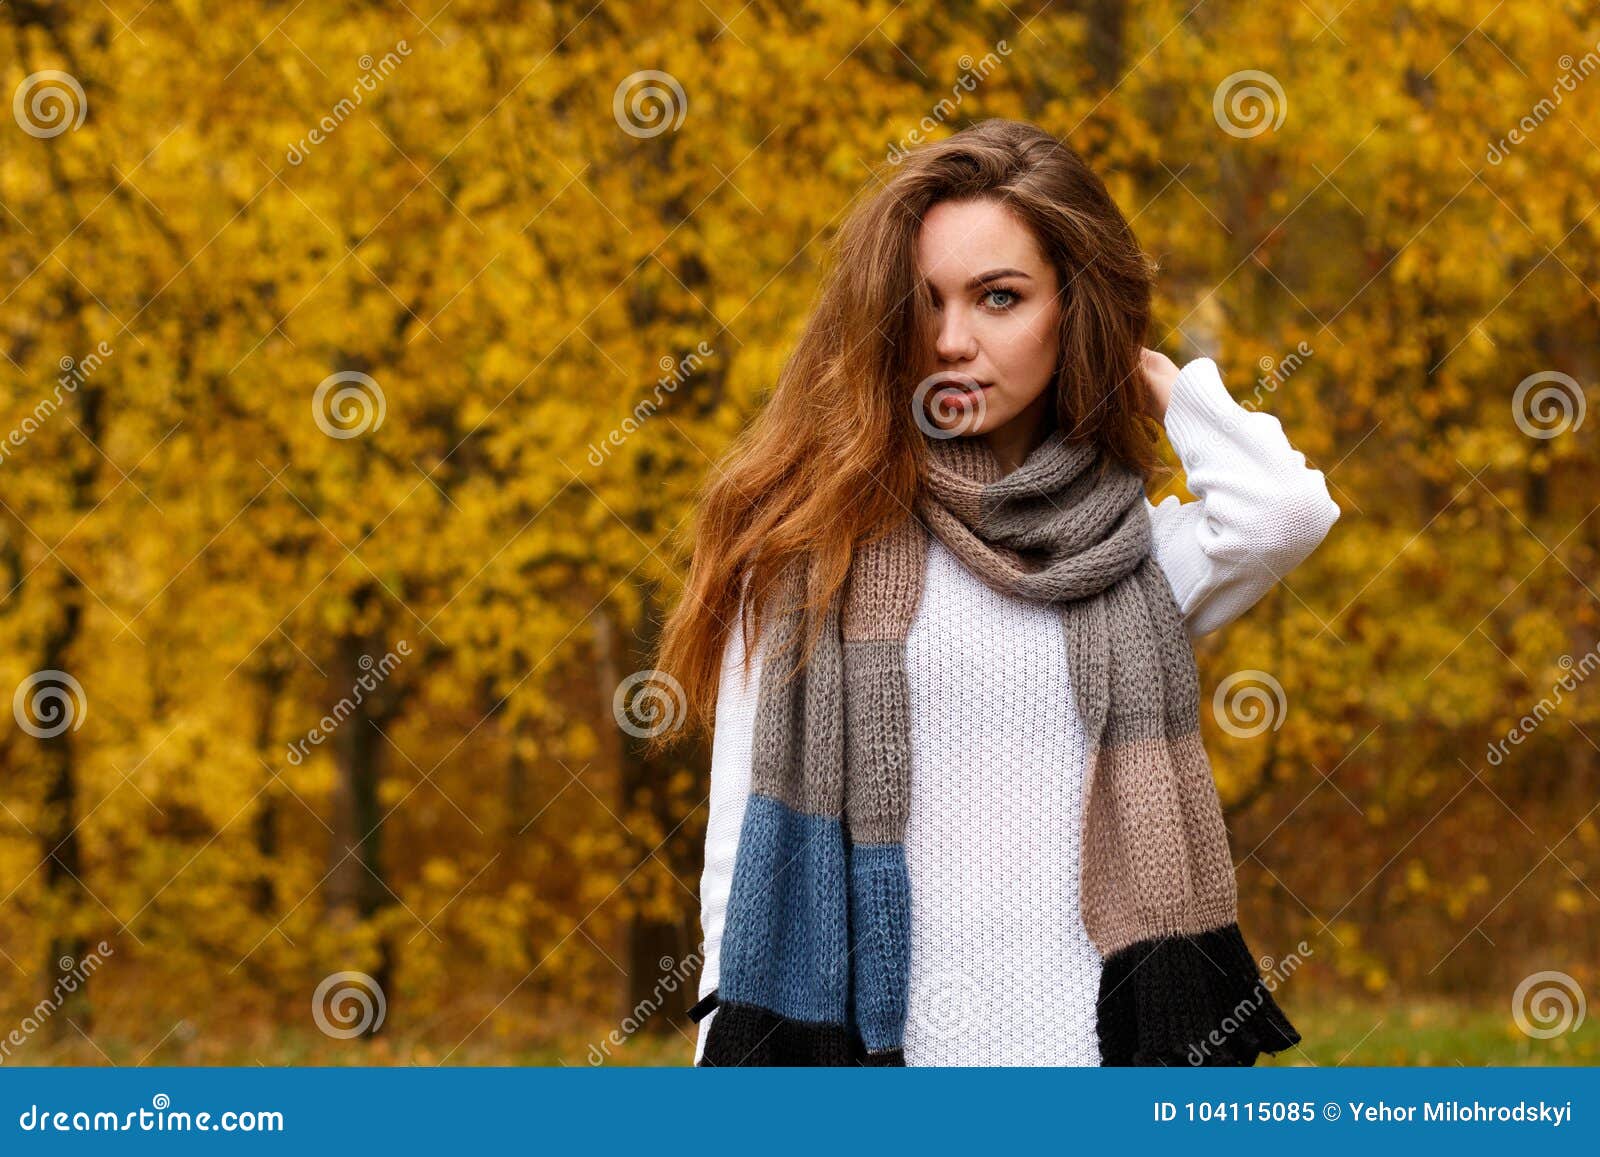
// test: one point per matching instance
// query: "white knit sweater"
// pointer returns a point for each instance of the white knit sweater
(1002, 972)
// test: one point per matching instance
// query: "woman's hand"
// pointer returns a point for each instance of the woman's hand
(1159, 374)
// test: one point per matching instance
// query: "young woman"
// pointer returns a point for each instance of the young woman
(960, 812)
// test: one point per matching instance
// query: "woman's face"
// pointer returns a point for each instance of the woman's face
(996, 314)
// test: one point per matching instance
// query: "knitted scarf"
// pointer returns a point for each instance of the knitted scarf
(815, 953)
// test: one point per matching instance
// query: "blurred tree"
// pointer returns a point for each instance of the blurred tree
(423, 324)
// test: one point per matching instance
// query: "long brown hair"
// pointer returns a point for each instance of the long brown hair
(835, 458)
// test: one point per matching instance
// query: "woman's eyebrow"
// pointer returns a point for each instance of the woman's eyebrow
(996, 275)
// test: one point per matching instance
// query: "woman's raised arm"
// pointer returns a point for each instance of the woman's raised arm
(1259, 509)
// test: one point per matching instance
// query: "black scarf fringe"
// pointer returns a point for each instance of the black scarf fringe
(1188, 1000)
(1194, 1001)
(749, 1035)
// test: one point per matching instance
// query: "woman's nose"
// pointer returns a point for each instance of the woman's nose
(955, 341)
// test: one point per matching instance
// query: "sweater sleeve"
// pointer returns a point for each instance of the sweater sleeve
(1259, 508)
(732, 748)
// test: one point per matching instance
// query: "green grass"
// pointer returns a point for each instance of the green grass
(1435, 1033)
(1343, 1032)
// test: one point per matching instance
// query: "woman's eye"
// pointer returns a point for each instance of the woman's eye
(1009, 295)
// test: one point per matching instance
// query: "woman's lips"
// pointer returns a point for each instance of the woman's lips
(963, 392)
(957, 380)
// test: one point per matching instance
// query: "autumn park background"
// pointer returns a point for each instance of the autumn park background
(360, 364)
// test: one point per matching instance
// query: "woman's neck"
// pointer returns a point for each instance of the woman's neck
(1012, 443)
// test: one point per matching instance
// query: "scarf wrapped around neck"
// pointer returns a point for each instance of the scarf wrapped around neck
(816, 947)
